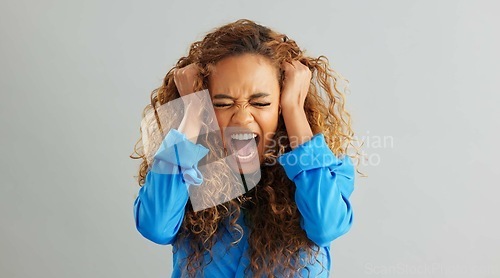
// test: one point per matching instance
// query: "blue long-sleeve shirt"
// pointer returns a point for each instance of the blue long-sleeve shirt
(323, 182)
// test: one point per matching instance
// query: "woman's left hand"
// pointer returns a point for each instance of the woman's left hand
(293, 96)
(295, 85)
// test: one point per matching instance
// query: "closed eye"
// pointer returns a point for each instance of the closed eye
(261, 104)
(221, 104)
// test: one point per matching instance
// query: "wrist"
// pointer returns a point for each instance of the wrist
(297, 126)
(292, 106)
(190, 126)
(292, 111)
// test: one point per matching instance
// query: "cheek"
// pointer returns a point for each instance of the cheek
(271, 117)
(268, 122)
(221, 119)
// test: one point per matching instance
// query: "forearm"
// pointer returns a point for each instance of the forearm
(324, 184)
(298, 128)
(322, 198)
(190, 125)
(159, 207)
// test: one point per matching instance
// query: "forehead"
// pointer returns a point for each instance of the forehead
(244, 75)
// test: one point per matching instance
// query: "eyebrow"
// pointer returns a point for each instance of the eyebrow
(256, 95)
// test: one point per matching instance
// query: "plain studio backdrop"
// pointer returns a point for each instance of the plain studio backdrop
(76, 75)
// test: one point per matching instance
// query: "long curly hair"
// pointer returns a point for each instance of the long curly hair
(270, 211)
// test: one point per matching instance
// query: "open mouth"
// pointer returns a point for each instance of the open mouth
(244, 145)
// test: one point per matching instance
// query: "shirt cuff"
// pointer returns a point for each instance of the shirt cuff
(177, 150)
(312, 154)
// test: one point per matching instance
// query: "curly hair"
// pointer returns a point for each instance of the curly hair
(270, 210)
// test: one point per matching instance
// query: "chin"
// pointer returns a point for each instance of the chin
(248, 169)
(246, 165)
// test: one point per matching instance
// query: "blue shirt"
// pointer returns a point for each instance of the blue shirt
(323, 182)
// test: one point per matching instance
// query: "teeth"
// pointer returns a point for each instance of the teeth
(243, 136)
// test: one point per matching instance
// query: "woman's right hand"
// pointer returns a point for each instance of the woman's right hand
(185, 80)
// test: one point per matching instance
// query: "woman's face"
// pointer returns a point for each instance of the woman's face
(245, 94)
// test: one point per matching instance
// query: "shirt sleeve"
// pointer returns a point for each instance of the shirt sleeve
(160, 205)
(324, 184)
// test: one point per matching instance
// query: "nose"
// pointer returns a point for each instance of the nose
(242, 116)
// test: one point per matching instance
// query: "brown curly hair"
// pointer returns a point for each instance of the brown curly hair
(269, 208)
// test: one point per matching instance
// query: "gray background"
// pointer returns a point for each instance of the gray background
(75, 76)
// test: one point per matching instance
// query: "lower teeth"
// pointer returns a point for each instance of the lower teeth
(245, 156)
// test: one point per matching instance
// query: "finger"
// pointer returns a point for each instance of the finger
(174, 73)
(192, 70)
(298, 64)
(286, 65)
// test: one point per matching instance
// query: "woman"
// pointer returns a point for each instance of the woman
(263, 89)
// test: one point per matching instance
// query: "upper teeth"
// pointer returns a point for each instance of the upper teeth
(243, 136)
